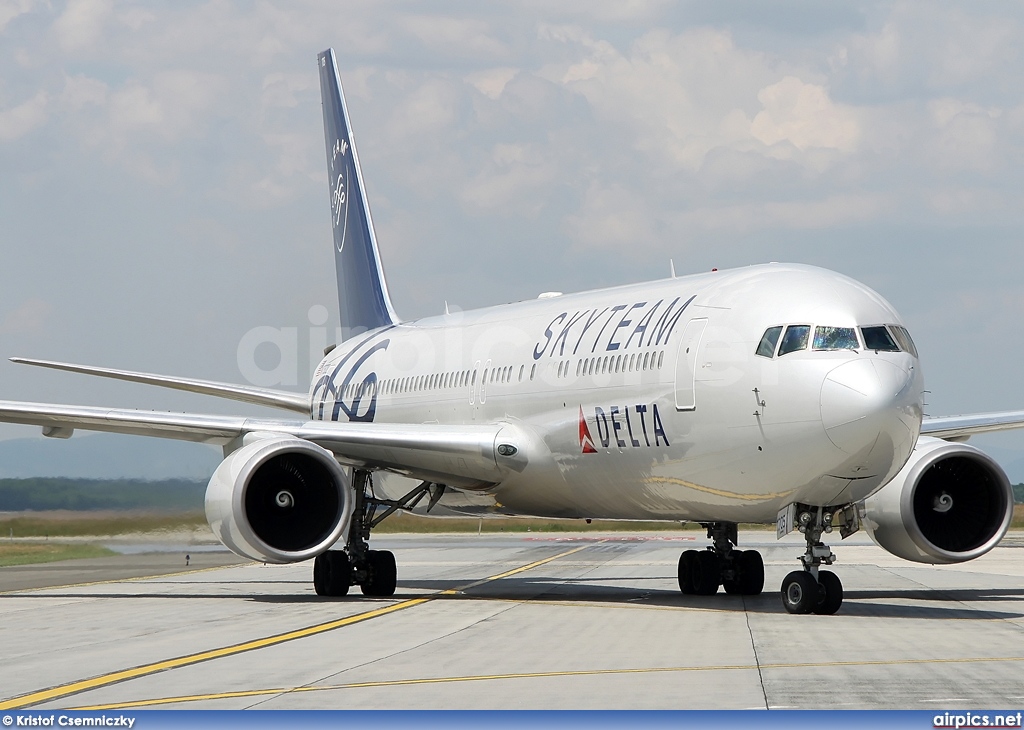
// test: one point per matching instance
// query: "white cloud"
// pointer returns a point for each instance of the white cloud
(492, 81)
(455, 36)
(27, 318)
(81, 24)
(611, 217)
(81, 91)
(965, 135)
(173, 103)
(11, 9)
(25, 117)
(803, 115)
(515, 183)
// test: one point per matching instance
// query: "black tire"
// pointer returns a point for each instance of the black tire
(706, 574)
(382, 574)
(830, 595)
(799, 592)
(320, 575)
(734, 586)
(686, 571)
(337, 573)
(751, 573)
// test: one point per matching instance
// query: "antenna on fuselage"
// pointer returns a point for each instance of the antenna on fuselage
(672, 268)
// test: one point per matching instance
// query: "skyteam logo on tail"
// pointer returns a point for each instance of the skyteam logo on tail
(339, 193)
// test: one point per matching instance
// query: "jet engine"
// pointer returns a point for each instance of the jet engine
(279, 500)
(949, 503)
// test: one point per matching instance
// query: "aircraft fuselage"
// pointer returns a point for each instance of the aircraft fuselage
(649, 400)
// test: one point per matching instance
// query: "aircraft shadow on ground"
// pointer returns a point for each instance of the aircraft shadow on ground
(912, 603)
(856, 603)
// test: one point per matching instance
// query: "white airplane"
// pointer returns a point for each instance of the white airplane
(778, 393)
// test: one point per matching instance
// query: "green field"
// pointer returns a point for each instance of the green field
(18, 553)
(76, 524)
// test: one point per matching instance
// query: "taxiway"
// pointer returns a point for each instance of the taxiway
(523, 621)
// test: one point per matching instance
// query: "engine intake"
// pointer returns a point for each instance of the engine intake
(279, 500)
(949, 503)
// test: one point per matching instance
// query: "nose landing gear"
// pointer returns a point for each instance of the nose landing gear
(740, 572)
(812, 590)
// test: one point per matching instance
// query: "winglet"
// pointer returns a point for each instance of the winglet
(362, 292)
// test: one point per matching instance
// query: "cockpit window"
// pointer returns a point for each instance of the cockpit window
(770, 338)
(795, 338)
(835, 338)
(903, 337)
(878, 339)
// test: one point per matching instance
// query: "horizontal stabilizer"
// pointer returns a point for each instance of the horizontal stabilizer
(246, 393)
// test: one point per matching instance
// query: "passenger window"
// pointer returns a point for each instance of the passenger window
(794, 339)
(835, 338)
(878, 339)
(770, 338)
(903, 337)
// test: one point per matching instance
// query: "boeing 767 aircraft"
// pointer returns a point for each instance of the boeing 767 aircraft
(777, 393)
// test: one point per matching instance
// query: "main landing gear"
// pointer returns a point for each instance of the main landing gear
(811, 590)
(739, 571)
(374, 571)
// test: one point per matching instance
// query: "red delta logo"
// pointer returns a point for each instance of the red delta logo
(586, 440)
(637, 426)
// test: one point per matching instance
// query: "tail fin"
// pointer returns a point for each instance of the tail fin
(362, 291)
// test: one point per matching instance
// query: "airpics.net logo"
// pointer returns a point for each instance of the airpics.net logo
(964, 720)
(270, 356)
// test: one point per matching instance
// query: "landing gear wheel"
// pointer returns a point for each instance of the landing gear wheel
(751, 566)
(686, 561)
(830, 593)
(332, 573)
(799, 592)
(382, 574)
(706, 574)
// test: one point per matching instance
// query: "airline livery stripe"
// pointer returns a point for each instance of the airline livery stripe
(528, 675)
(64, 690)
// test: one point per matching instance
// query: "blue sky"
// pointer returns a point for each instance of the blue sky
(163, 189)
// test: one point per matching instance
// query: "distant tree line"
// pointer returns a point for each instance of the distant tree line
(179, 495)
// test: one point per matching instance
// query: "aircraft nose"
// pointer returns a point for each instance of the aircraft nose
(862, 400)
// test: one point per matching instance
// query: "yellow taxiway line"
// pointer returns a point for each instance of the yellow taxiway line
(103, 680)
(525, 675)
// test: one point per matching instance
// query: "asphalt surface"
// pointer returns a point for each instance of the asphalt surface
(499, 621)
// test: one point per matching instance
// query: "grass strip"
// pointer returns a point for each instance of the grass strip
(15, 553)
(76, 524)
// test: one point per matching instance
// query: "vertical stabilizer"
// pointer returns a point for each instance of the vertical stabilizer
(362, 291)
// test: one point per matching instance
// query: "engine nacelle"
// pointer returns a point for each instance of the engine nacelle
(279, 500)
(949, 503)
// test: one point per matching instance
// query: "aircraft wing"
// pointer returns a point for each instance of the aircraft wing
(460, 456)
(961, 427)
(245, 393)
